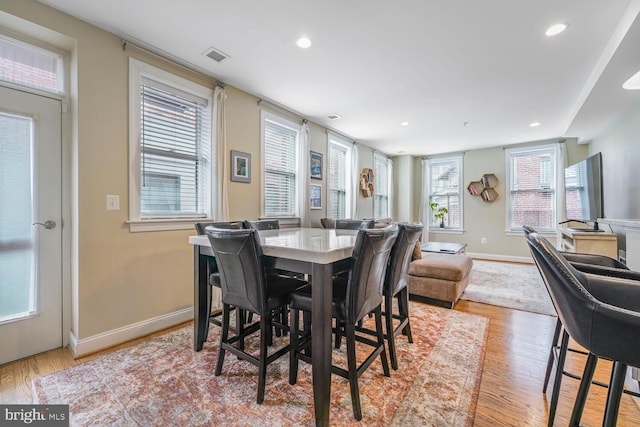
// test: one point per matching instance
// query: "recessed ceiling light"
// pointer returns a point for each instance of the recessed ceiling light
(334, 116)
(633, 83)
(534, 124)
(404, 124)
(556, 29)
(303, 43)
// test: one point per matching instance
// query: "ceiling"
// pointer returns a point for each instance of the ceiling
(465, 74)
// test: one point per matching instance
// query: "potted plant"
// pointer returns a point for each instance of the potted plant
(439, 212)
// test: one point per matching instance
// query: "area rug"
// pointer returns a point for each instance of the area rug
(511, 285)
(163, 381)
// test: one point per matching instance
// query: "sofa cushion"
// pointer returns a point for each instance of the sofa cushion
(417, 252)
(441, 266)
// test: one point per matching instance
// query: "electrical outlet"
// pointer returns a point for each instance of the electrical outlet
(483, 240)
(113, 202)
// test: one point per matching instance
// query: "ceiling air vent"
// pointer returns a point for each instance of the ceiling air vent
(216, 54)
(334, 116)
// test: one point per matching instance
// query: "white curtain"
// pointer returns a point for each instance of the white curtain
(220, 123)
(561, 161)
(390, 187)
(424, 202)
(303, 206)
(356, 182)
(221, 195)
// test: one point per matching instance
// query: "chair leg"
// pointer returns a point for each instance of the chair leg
(293, 343)
(339, 330)
(352, 369)
(388, 309)
(403, 306)
(558, 380)
(209, 301)
(554, 343)
(224, 336)
(383, 354)
(616, 386)
(265, 326)
(583, 390)
(240, 316)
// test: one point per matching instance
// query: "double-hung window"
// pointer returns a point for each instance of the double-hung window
(444, 183)
(340, 177)
(531, 184)
(381, 186)
(171, 150)
(280, 139)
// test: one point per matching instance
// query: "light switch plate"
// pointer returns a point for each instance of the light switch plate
(113, 202)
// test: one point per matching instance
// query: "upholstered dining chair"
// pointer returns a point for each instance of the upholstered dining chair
(602, 314)
(587, 263)
(262, 224)
(353, 224)
(246, 285)
(353, 298)
(213, 276)
(395, 285)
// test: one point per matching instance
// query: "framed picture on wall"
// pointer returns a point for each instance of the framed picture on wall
(316, 165)
(240, 166)
(315, 196)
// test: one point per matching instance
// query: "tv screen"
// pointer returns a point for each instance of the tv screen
(583, 190)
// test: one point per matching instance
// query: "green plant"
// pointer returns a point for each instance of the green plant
(439, 212)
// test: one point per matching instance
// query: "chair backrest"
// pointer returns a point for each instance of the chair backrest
(328, 223)
(233, 225)
(239, 257)
(263, 224)
(396, 278)
(368, 268)
(528, 229)
(354, 224)
(572, 301)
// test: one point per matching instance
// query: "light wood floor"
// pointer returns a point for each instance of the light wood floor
(510, 391)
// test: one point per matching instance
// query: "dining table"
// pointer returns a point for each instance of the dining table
(312, 251)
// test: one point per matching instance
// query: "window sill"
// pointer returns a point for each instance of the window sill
(520, 233)
(445, 230)
(146, 225)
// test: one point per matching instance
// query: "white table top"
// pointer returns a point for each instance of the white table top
(317, 245)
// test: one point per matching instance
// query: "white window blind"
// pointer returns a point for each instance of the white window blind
(445, 186)
(171, 150)
(30, 66)
(339, 178)
(280, 167)
(532, 188)
(380, 187)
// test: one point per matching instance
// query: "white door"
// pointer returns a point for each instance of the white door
(30, 253)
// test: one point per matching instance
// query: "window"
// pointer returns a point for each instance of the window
(444, 177)
(531, 186)
(339, 178)
(280, 157)
(381, 187)
(171, 149)
(30, 66)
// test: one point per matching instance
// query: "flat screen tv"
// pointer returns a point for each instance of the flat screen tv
(584, 201)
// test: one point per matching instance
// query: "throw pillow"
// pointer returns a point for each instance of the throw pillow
(417, 253)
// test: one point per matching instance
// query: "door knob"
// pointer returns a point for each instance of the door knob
(49, 225)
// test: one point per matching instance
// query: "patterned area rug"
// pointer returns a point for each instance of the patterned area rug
(162, 381)
(511, 285)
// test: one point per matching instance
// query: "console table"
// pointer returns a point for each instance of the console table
(443, 247)
(589, 242)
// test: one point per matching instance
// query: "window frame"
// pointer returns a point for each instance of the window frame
(267, 116)
(139, 71)
(510, 154)
(458, 160)
(337, 140)
(380, 158)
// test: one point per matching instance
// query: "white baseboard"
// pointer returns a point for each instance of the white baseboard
(85, 346)
(494, 257)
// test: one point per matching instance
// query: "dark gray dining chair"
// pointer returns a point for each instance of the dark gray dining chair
(602, 314)
(353, 298)
(246, 285)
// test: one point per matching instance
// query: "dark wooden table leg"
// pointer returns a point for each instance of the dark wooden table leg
(200, 298)
(322, 292)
